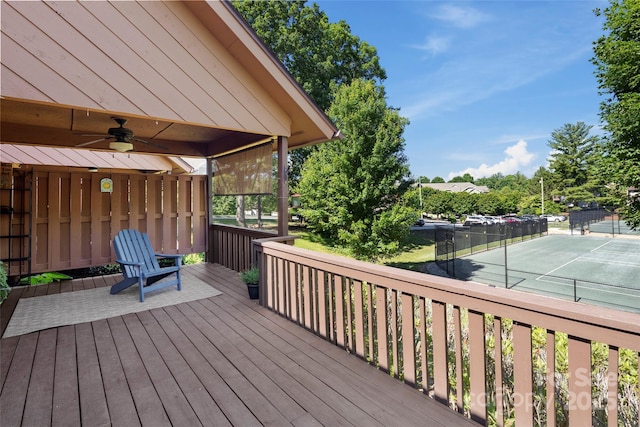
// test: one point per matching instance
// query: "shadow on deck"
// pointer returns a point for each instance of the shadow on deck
(218, 361)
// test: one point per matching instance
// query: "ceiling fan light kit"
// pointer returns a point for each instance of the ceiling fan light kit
(120, 146)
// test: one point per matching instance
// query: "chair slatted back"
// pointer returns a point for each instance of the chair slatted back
(132, 245)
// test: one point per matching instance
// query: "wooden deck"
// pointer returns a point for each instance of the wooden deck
(219, 361)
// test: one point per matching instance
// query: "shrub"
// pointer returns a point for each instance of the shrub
(44, 278)
(4, 286)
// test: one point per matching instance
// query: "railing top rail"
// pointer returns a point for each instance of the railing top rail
(251, 232)
(595, 323)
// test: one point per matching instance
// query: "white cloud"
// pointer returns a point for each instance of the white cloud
(435, 45)
(518, 157)
(461, 17)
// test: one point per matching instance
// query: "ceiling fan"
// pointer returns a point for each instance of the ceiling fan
(123, 138)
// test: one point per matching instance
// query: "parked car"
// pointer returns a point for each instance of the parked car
(512, 219)
(475, 219)
(554, 218)
(419, 222)
(497, 219)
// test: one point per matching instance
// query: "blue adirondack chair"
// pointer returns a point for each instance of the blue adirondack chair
(139, 264)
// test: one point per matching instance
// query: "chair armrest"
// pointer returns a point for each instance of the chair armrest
(169, 256)
(134, 263)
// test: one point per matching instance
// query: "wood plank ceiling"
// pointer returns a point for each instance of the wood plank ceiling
(191, 78)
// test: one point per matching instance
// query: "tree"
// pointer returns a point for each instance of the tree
(617, 61)
(437, 180)
(464, 178)
(492, 181)
(351, 189)
(464, 203)
(439, 203)
(489, 204)
(571, 156)
(320, 55)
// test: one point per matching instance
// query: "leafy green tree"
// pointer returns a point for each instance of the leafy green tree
(464, 203)
(617, 61)
(515, 182)
(439, 203)
(510, 199)
(350, 189)
(490, 204)
(320, 55)
(464, 178)
(491, 181)
(571, 157)
(438, 180)
(224, 205)
(413, 195)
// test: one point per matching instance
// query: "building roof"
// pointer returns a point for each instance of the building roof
(458, 187)
(189, 76)
(69, 157)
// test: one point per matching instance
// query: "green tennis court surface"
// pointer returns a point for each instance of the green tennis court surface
(589, 269)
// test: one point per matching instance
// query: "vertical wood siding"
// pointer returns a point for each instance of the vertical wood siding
(74, 222)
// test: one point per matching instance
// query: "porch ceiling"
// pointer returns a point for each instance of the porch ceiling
(63, 126)
(190, 77)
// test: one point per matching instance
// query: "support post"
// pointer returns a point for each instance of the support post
(283, 186)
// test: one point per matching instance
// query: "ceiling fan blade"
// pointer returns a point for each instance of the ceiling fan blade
(153, 144)
(84, 144)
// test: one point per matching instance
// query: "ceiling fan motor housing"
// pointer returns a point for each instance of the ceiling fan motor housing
(121, 133)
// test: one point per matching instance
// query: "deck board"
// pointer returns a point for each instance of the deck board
(219, 361)
(93, 403)
(38, 406)
(66, 407)
(115, 381)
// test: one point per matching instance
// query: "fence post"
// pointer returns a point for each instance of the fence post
(506, 271)
(575, 291)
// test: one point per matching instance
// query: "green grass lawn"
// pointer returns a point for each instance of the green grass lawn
(418, 251)
(415, 253)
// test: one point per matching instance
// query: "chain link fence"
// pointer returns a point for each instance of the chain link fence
(453, 242)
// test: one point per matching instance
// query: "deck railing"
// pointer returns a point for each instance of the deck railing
(498, 355)
(230, 245)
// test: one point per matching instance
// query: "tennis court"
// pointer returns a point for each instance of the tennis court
(589, 269)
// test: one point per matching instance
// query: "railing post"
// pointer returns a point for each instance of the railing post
(506, 271)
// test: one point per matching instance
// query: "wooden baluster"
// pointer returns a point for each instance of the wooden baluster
(579, 381)
(477, 367)
(382, 320)
(440, 361)
(522, 375)
(551, 378)
(408, 342)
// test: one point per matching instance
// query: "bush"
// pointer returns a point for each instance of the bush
(44, 278)
(195, 258)
(4, 286)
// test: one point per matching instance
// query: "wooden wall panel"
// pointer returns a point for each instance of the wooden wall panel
(73, 222)
(72, 53)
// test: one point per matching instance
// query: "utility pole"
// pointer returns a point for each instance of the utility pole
(542, 193)
(420, 191)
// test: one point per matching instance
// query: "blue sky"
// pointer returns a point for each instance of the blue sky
(483, 83)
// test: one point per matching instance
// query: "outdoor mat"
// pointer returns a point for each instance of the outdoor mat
(70, 308)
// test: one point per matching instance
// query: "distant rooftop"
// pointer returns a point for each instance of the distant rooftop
(459, 187)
